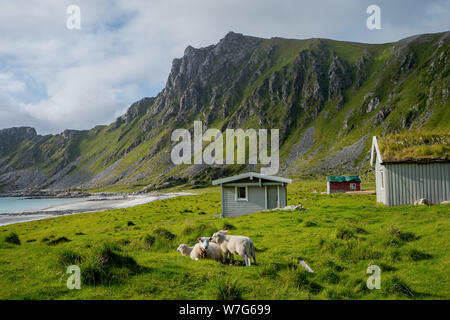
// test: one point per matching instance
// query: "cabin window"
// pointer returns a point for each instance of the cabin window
(352, 186)
(382, 178)
(241, 193)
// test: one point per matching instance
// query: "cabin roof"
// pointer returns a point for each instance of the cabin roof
(343, 179)
(251, 175)
(416, 147)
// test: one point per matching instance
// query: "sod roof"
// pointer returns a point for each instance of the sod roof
(415, 146)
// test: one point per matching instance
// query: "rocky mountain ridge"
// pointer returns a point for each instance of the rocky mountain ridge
(326, 97)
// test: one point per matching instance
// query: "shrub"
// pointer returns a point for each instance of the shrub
(12, 238)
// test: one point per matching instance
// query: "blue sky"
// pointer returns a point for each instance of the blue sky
(53, 78)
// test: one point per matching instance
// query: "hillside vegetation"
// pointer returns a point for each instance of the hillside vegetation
(130, 253)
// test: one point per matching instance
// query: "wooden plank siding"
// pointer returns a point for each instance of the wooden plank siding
(232, 208)
(256, 200)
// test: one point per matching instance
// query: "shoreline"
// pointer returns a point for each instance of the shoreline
(57, 194)
(91, 203)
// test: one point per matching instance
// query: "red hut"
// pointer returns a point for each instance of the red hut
(343, 184)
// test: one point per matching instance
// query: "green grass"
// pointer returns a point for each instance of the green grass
(416, 145)
(338, 236)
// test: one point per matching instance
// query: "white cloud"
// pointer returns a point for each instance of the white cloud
(9, 85)
(54, 78)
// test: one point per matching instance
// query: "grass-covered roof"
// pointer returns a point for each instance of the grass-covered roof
(415, 146)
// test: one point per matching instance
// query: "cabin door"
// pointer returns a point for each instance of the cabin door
(272, 197)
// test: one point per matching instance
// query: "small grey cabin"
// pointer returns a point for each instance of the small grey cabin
(251, 192)
(405, 171)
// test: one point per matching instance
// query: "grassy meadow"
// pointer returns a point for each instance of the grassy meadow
(131, 253)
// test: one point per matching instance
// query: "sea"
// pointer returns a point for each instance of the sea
(23, 204)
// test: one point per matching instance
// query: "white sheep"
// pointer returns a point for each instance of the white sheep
(232, 245)
(197, 252)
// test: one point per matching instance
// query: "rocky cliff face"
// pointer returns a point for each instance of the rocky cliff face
(11, 138)
(326, 97)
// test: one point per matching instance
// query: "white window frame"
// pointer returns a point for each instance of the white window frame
(382, 178)
(236, 194)
(352, 186)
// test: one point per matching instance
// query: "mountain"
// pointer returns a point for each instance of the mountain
(327, 98)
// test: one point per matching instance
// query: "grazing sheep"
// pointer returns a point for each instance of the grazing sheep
(232, 245)
(212, 251)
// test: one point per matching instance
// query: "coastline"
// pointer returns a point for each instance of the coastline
(91, 203)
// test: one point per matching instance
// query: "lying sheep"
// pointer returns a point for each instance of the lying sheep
(201, 251)
(232, 245)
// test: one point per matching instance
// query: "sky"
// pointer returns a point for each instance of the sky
(54, 78)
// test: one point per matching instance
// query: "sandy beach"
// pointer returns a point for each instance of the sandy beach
(92, 203)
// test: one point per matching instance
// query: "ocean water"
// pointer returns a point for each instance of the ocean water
(19, 204)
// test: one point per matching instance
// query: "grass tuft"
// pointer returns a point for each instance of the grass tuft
(164, 233)
(67, 257)
(58, 241)
(396, 286)
(396, 238)
(12, 238)
(302, 281)
(416, 255)
(105, 265)
(225, 289)
(344, 234)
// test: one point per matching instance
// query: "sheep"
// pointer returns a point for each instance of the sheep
(231, 245)
(210, 251)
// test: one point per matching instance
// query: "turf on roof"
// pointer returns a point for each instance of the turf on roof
(343, 179)
(415, 146)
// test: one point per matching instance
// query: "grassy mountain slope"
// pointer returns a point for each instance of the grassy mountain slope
(326, 97)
